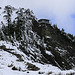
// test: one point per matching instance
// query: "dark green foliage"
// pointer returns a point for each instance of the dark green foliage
(16, 27)
(8, 10)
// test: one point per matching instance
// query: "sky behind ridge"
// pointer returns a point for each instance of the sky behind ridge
(60, 12)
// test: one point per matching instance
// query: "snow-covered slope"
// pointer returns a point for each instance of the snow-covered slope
(28, 47)
(12, 64)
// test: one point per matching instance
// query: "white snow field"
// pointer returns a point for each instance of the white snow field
(8, 61)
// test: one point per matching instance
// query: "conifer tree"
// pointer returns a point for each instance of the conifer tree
(8, 10)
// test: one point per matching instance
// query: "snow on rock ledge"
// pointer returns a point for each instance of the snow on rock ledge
(49, 53)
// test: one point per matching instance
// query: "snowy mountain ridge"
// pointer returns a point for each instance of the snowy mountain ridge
(27, 47)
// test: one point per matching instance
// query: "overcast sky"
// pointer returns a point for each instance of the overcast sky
(60, 12)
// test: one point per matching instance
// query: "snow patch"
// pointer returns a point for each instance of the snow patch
(49, 53)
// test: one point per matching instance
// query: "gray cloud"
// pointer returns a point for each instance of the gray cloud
(59, 11)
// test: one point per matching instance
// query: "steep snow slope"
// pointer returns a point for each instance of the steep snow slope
(10, 58)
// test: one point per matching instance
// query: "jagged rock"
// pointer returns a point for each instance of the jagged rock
(14, 68)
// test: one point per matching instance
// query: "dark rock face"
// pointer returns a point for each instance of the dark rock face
(32, 67)
(59, 44)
